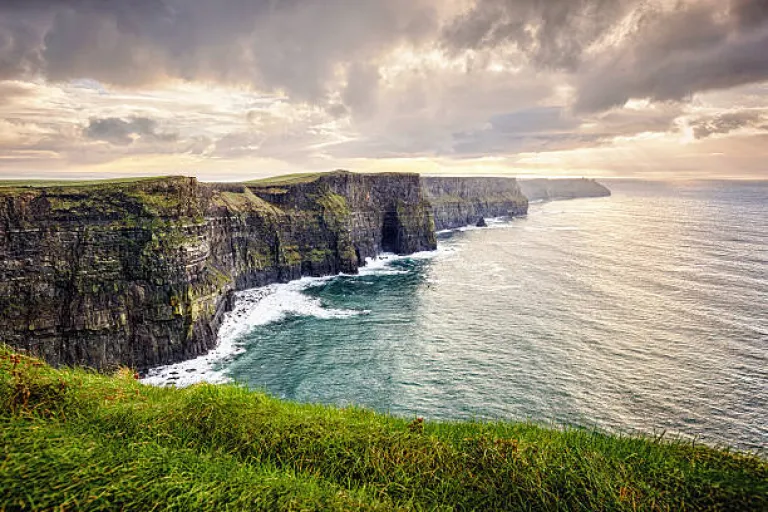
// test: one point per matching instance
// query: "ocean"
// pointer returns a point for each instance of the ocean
(644, 312)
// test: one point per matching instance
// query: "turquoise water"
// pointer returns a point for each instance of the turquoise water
(646, 311)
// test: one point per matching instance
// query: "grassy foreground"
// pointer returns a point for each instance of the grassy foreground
(75, 440)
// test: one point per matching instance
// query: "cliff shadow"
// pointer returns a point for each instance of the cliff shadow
(390, 233)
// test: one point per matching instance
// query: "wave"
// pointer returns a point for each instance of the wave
(491, 223)
(263, 306)
(253, 308)
(381, 265)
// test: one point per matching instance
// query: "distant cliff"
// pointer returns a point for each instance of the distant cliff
(461, 201)
(141, 273)
(562, 188)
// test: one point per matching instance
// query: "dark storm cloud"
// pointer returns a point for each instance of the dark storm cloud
(554, 33)
(21, 41)
(726, 123)
(299, 45)
(668, 55)
(123, 132)
(749, 13)
(293, 45)
(699, 47)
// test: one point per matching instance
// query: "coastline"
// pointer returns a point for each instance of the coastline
(271, 303)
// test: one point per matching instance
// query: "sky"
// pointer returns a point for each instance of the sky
(241, 89)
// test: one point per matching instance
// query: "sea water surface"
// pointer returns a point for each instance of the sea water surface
(643, 312)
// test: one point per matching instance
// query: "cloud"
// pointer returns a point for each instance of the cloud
(361, 89)
(330, 52)
(21, 41)
(616, 50)
(749, 13)
(673, 55)
(526, 130)
(317, 84)
(554, 33)
(14, 90)
(293, 45)
(123, 132)
(728, 122)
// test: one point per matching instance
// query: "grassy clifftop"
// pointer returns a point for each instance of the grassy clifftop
(78, 440)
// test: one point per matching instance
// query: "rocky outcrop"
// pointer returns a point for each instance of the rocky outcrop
(562, 188)
(141, 273)
(462, 201)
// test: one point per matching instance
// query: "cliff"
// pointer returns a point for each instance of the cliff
(463, 201)
(562, 188)
(141, 273)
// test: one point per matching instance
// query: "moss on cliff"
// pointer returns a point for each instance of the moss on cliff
(334, 204)
(109, 199)
(335, 211)
(290, 255)
(319, 255)
(245, 201)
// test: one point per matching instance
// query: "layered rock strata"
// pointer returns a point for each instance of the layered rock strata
(464, 201)
(141, 274)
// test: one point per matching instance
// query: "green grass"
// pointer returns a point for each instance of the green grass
(272, 181)
(72, 439)
(74, 183)
(288, 179)
(245, 201)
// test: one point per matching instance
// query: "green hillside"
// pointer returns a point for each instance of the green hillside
(77, 440)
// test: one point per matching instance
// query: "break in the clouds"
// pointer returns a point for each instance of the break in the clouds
(230, 88)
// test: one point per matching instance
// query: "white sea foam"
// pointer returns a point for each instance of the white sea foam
(255, 307)
(262, 306)
(381, 265)
(491, 223)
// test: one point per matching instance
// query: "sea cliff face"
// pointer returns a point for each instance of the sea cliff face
(141, 273)
(463, 201)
